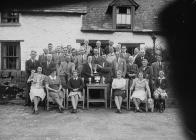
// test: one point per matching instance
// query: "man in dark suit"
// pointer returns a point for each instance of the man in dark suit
(96, 58)
(43, 57)
(31, 64)
(139, 58)
(48, 66)
(98, 46)
(87, 71)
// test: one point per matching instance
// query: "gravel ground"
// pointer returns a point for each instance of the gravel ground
(18, 123)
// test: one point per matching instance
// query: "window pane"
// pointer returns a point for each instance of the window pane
(128, 11)
(123, 19)
(118, 19)
(9, 17)
(11, 63)
(128, 20)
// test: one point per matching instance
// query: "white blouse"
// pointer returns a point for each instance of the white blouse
(119, 83)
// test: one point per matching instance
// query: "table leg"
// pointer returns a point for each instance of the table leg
(105, 92)
(87, 98)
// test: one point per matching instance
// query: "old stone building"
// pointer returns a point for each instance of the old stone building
(129, 22)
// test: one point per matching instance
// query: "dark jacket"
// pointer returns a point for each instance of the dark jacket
(29, 66)
(86, 72)
(47, 70)
(73, 84)
(162, 84)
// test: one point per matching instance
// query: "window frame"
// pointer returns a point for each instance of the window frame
(114, 16)
(10, 23)
(4, 55)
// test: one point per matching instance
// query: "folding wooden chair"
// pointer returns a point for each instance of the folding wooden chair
(82, 99)
(124, 100)
(50, 100)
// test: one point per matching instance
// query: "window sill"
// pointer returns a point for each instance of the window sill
(9, 24)
(123, 30)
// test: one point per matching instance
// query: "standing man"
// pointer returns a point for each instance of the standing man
(48, 66)
(80, 60)
(136, 52)
(30, 65)
(57, 55)
(139, 58)
(107, 49)
(50, 49)
(96, 58)
(66, 69)
(124, 53)
(120, 64)
(87, 47)
(43, 57)
(98, 46)
(111, 56)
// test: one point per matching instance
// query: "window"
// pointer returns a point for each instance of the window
(9, 17)
(10, 52)
(123, 18)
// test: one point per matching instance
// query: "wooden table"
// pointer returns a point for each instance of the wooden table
(97, 86)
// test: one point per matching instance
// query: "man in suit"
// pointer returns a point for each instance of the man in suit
(66, 68)
(98, 46)
(105, 69)
(87, 71)
(57, 55)
(31, 64)
(155, 68)
(135, 54)
(88, 48)
(64, 54)
(80, 60)
(120, 64)
(139, 58)
(96, 58)
(43, 57)
(111, 56)
(124, 54)
(50, 48)
(48, 66)
(107, 51)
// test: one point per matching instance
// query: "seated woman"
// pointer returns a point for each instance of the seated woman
(75, 86)
(37, 93)
(160, 94)
(53, 84)
(140, 85)
(118, 86)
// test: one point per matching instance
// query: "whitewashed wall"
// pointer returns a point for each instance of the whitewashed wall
(37, 30)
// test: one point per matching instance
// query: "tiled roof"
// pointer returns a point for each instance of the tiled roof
(146, 16)
(77, 7)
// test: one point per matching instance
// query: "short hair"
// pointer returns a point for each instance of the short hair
(49, 55)
(98, 41)
(119, 72)
(74, 71)
(123, 46)
(49, 43)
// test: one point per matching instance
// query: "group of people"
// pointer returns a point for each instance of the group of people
(64, 67)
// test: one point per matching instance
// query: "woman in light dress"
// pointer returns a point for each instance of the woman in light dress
(118, 86)
(37, 92)
(140, 89)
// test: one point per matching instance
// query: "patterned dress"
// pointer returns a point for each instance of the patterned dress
(37, 88)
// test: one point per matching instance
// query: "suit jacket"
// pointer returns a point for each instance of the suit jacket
(42, 58)
(125, 56)
(120, 65)
(155, 68)
(86, 71)
(97, 60)
(132, 69)
(48, 69)
(57, 58)
(146, 72)
(29, 65)
(138, 60)
(160, 84)
(80, 61)
(66, 68)
(101, 50)
(106, 71)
